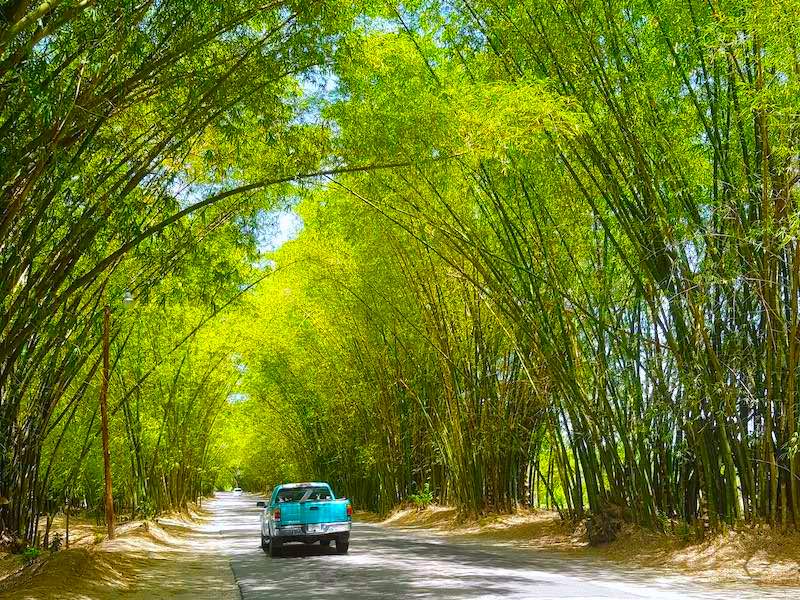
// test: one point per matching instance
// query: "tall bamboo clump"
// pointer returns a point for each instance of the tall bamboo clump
(645, 259)
(406, 377)
(689, 168)
(101, 106)
(669, 321)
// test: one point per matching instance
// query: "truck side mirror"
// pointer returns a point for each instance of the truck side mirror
(261, 504)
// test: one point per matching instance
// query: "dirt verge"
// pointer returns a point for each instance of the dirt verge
(749, 555)
(174, 556)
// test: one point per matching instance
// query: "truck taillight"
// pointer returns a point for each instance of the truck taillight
(349, 510)
(277, 514)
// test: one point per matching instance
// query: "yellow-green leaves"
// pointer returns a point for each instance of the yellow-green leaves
(497, 117)
(398, 103)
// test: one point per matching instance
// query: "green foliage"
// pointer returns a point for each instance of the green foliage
(30, 554)
(423, 498)
(139, 143)
(597, 199)
(684, 532)
(146, 509)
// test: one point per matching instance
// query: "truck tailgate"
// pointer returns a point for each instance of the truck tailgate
(291, 513)
(323, 511)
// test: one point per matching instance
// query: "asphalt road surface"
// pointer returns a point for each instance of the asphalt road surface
(391, 563)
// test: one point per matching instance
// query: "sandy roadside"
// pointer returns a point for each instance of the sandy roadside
(747, 556)
(178, 557)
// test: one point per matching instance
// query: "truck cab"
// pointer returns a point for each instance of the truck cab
(305, 512)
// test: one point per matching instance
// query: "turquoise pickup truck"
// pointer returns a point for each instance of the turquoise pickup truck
(305, 512)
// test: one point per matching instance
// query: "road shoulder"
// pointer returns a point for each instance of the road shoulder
(750, 555)
(180, 557)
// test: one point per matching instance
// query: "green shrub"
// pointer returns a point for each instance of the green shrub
(30, 554)
(423, 498)
(146, 510)
(684, 531)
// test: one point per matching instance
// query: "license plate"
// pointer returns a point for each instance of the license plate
(314, 529)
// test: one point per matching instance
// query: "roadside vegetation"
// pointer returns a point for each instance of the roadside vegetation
(593, 305)
(545, 256)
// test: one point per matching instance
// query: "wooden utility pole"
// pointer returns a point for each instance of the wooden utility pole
(104, 425)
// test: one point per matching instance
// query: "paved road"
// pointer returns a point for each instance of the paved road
(389, 563)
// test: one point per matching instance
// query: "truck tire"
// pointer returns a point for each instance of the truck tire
(264, 543)
(275, 547)
(342, 544)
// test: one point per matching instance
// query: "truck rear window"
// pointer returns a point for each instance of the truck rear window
(304, 493)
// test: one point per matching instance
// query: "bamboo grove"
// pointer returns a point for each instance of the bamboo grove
(593, 303)
(549, 254)
(123, 126)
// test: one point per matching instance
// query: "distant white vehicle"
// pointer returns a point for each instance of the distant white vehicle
(237, 491)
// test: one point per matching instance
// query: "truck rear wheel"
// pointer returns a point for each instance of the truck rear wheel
(274, 548)
(343, 544)
(264, 543)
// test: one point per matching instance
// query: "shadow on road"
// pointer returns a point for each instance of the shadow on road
(305, 551)
(390, 563)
